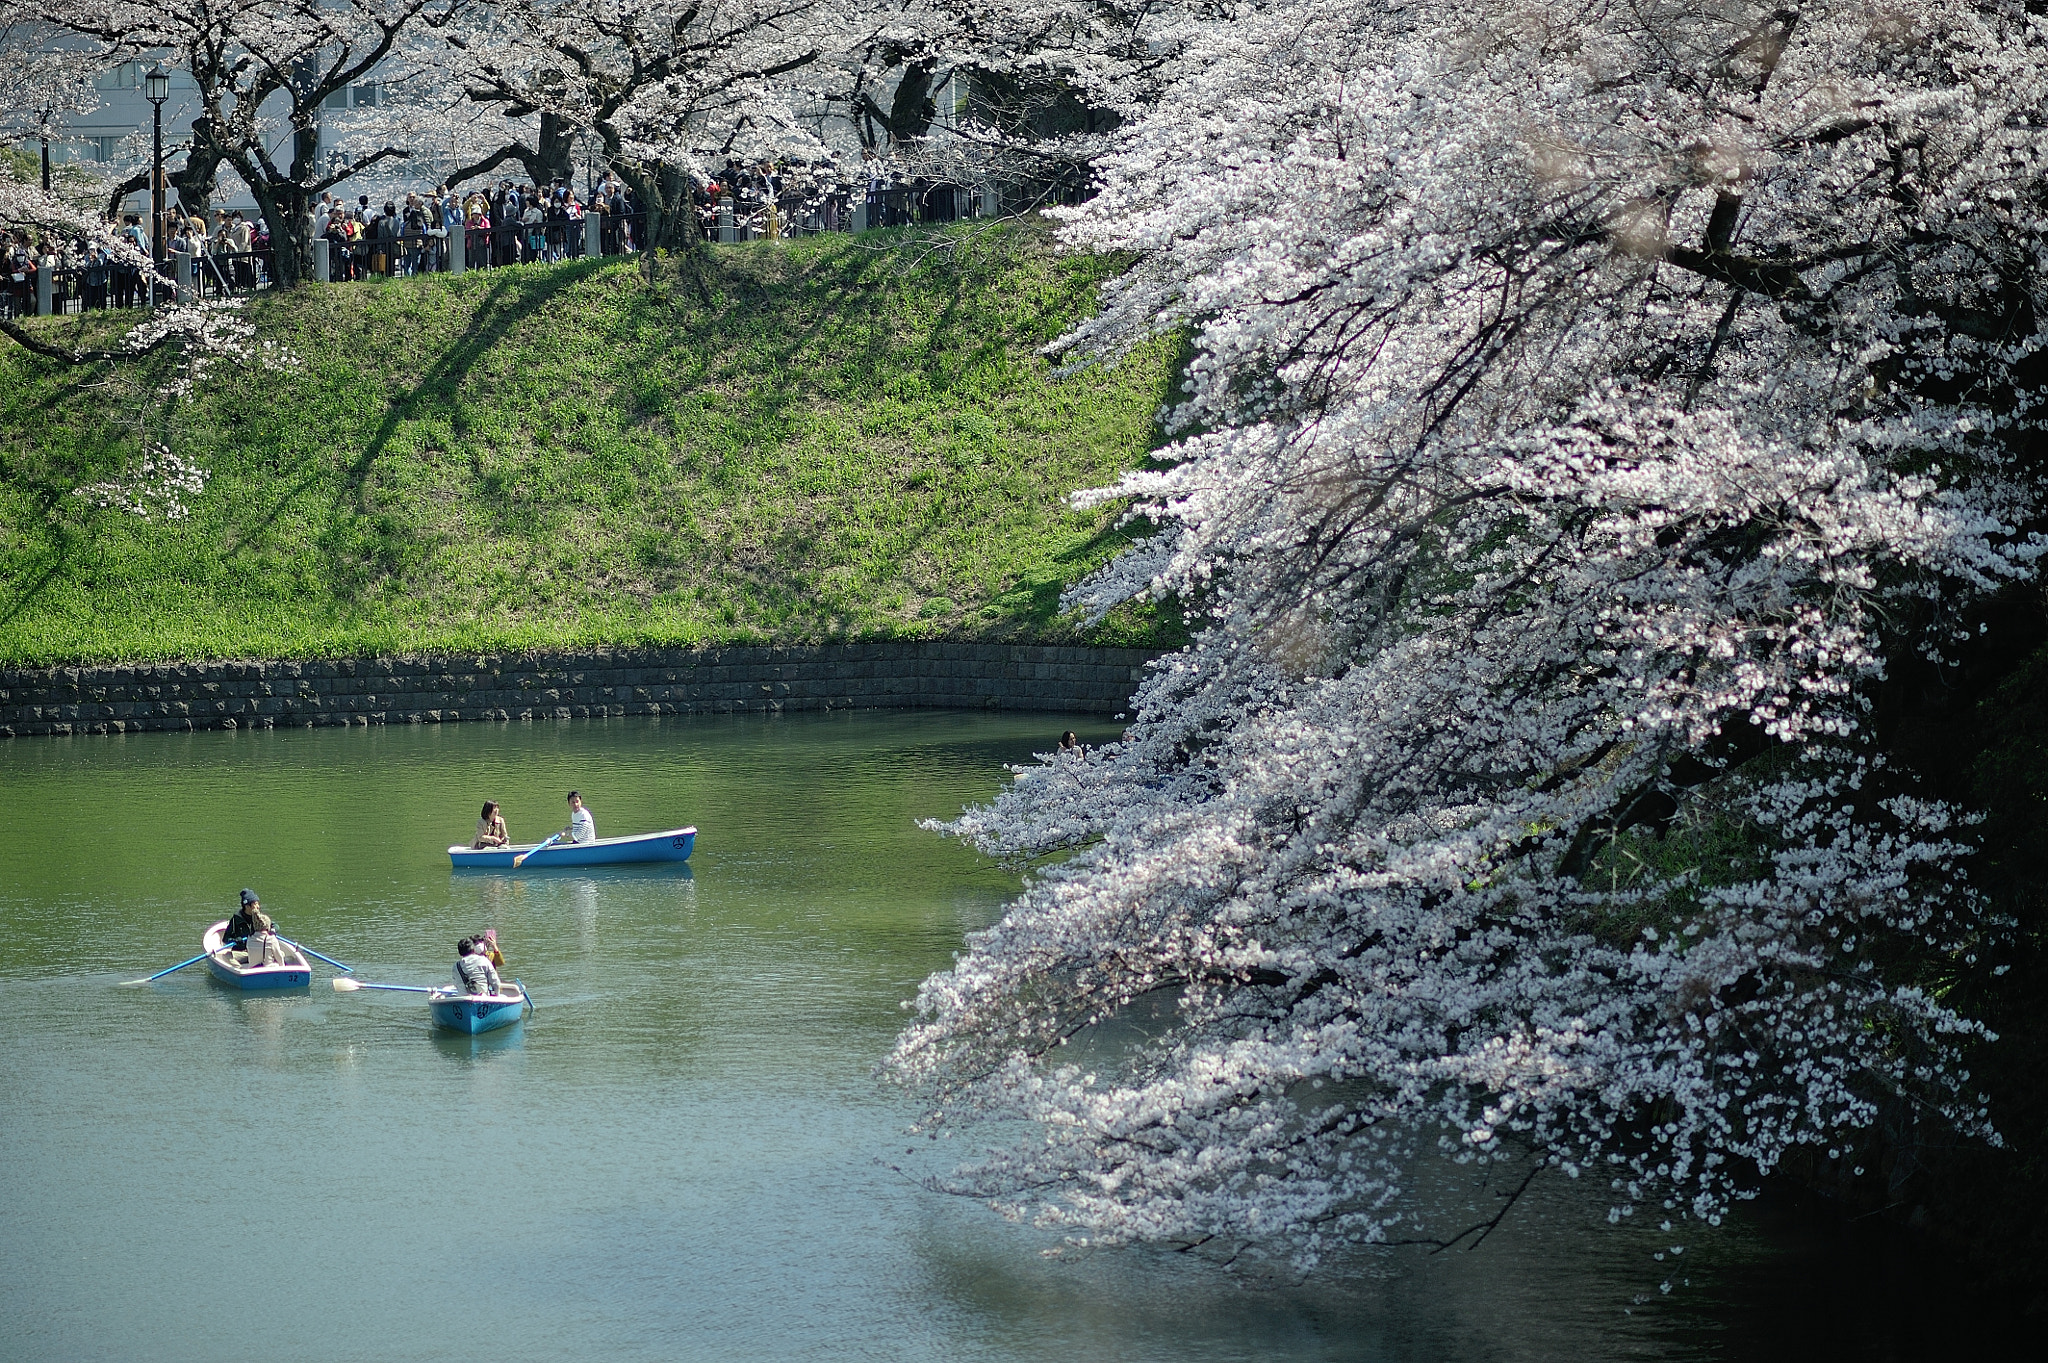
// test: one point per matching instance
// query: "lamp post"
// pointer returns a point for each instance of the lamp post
(47, 112)
(158, 82)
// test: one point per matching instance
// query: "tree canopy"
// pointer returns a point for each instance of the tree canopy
(1587, 403)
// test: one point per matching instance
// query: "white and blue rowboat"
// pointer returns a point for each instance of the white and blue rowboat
(673, 845)
(473, 1013)
(231, 966)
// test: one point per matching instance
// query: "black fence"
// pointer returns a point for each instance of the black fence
(841, 208)
(104, 286)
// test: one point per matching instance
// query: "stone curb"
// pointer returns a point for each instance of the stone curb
(451, 688)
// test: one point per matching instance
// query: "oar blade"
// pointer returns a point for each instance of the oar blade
(342, 986)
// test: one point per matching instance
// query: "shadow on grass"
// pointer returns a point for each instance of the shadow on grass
(334, 467)
(841, 323)
(367, 559)
(26, 597)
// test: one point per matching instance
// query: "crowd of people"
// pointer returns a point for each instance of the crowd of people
(87, 273)
(507, 223)
(799, 198)
(230, 255)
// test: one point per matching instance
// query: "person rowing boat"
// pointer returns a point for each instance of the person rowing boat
(252, 932)
(247, 921)
(473, 969)
(582, 828)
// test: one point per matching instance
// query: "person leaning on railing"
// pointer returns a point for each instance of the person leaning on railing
(262, 264)
(239, 237)
(451, 223)
(477, 248)
(413, 229)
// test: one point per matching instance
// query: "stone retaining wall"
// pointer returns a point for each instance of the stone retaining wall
(127, 698)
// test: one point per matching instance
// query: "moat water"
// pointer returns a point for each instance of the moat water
(684, 1154)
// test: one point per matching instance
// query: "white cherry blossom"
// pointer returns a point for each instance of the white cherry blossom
(1585, 402)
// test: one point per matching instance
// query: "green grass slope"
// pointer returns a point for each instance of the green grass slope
(825, 439)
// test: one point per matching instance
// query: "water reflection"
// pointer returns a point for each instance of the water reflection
(541, 875)
(479, 1046)
(263, 1018)
(583, 904)
(686, 1131)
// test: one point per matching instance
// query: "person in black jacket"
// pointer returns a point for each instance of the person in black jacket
(248, 920)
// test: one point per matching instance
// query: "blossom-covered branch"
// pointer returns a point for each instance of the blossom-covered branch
(1586, 402)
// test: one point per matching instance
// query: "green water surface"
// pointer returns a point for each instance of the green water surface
(685, 1153)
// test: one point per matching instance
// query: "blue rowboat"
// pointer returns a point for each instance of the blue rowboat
(473, 1013)
(673, 845)
(231, 967)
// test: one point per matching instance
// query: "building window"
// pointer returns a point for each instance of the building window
(367, 95)
(126, 76)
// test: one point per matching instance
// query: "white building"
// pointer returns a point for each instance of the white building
(114, 138)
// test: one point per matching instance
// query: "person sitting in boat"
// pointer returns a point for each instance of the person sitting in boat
(582, 828)
(247, 921)
(264, 947)
(490, 829)
(473, 969)
(487, 941)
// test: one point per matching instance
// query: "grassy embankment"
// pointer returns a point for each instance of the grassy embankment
(842, 440)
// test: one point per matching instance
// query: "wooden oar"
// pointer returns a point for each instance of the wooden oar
(179, 966)
(316, 955)
(350, 987)
(520, 860)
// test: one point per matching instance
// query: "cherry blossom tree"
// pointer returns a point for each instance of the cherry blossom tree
(42, 67)
(1586, 402)
(667, 91)
(39, 72)
(263, 71)
(1038, 83)
(40, 75)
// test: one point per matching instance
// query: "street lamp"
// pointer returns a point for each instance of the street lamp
(158, 84)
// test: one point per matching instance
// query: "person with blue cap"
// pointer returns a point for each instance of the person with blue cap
(248, 921)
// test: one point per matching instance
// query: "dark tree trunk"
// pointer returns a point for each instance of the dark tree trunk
(200, 175)
(285, 204)
(663, 194)
(554, 159)
(912, 110)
